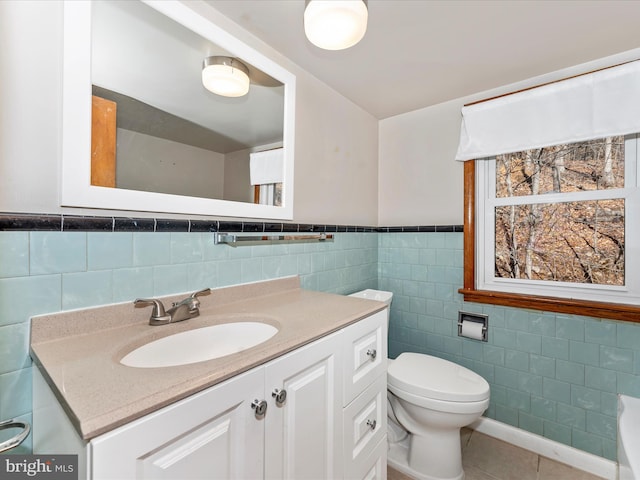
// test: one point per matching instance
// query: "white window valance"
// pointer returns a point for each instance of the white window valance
(267, 167)
(595, 105)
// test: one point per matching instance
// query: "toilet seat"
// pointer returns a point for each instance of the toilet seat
(427, 377)
(443, 406)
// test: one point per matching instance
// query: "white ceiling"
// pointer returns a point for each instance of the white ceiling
(418, 53)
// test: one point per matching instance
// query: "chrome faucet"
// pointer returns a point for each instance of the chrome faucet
(179, 311)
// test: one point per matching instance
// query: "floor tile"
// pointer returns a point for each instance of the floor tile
(393, 474)
(499, 458)
(474, 473)
(487, 458)
(552, 470)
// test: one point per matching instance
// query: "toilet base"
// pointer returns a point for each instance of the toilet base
(398, 459)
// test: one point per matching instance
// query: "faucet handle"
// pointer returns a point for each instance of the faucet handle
(205, 291)
(194, 303)
(158, 315)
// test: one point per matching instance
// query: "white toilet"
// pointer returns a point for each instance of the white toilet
(429, 400)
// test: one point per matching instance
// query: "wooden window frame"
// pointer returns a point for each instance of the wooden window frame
(613, 311)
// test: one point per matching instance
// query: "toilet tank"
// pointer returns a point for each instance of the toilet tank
(379, 295)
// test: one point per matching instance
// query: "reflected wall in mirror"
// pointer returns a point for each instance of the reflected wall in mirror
(157, 137)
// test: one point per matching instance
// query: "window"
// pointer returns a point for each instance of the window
(555, 225)
(267, 176)
(268, 194)
(556, 221)
(556, 228)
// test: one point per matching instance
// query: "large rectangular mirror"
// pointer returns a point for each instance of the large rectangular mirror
(136, 113)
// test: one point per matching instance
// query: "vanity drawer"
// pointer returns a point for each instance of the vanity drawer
(366, 354)
(373, 466)
(364, 426)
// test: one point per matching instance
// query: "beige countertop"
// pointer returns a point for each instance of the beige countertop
(79, 352)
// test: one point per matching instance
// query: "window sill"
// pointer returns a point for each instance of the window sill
(613, 311)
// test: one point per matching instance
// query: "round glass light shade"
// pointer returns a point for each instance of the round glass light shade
(335, 24)
(225, 76)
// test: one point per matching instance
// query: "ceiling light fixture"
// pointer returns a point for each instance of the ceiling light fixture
(225, 76)
(335, 24)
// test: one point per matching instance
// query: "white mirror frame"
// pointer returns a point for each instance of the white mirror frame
(76, 189)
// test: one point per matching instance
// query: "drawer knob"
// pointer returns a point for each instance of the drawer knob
(372, 424)
(280, 396)
(260, 406)
(372, 353)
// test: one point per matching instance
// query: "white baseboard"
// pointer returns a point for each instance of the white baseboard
(547, 448)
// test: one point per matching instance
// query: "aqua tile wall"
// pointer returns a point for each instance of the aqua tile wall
(554, 375)
(550, 374)
(45, 271)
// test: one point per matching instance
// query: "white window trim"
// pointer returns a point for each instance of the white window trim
(485, 236)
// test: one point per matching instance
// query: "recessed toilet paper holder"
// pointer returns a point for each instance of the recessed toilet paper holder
(475, 318)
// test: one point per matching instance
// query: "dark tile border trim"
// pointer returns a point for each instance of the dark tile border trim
(421, 229)
(10, 221)
(80, 223)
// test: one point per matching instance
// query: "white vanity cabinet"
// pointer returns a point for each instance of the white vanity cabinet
(365, 398)
(317, 431)
(218, 434)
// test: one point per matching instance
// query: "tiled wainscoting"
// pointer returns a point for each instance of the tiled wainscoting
(43, 271)
(553, 375)
(550, 374)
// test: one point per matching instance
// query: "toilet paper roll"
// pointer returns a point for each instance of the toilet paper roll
(472, 329)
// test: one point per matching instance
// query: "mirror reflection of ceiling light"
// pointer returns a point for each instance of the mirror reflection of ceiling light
(225, 76)
(335, 24)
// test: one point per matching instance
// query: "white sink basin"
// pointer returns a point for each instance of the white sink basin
(200, 344)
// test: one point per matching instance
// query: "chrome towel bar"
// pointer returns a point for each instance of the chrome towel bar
(231, 238)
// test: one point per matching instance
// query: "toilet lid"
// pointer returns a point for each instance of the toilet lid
(436, 378)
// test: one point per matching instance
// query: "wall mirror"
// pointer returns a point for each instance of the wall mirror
(177, 147)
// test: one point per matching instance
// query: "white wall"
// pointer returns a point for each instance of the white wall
(420, 183)
(336, 141)
(237, 184)
(30, 105)
(155, 164)
(336, 168)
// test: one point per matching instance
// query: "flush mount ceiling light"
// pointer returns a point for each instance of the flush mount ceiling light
(225, 76)
(335, 24)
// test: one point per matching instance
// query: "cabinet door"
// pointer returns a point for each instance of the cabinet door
(366, 347)
(210, 435)
(303, 434)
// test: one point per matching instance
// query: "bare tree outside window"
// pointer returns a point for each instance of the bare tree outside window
(566, 241)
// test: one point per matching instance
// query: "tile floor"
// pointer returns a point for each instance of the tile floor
(486, 458)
